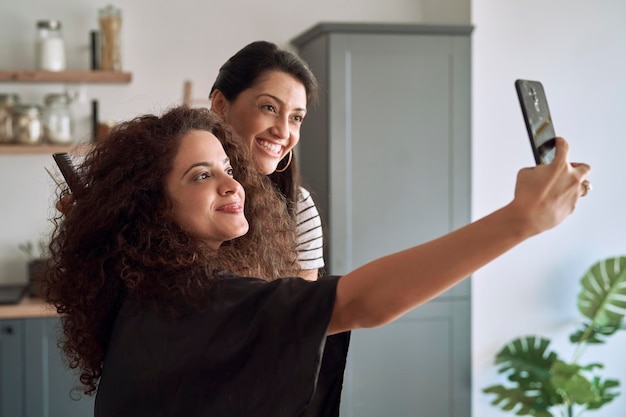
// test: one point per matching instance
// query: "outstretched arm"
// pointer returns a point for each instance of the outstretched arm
(384, 289)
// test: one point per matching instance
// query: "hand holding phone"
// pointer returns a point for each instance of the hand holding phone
(537, 119)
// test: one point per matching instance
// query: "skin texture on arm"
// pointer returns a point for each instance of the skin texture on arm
(388, 287)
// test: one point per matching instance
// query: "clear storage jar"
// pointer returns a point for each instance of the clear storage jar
(27, 126)
(58, 119)
(7, 103)
(50, 49)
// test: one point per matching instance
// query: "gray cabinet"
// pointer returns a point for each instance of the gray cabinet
(386, 153)
(34, 380)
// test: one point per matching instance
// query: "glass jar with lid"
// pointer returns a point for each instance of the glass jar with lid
(110, 20)
(50, 48)
(58, 119)
(7, 103)
(27, 126)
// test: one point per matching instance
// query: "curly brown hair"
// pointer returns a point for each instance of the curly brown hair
(116, 240)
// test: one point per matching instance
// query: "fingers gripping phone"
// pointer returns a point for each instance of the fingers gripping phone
(537, 118)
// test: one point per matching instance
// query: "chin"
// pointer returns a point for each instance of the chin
(265, 165)
(242, 231)
(267, 170)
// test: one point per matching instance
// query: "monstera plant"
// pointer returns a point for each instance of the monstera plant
(542, 384)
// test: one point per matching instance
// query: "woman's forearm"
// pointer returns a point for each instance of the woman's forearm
(382, 290)
(386, 288)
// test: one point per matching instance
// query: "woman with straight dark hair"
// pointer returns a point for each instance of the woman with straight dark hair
(263, 92)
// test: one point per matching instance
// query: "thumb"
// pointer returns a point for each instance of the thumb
(561, 150)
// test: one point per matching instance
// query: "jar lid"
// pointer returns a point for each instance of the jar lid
(49, 24)
(62, 98)
(11, 98)
(27, 109)
(110, 11)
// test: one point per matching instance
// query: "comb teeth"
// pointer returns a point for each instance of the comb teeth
(66, 166)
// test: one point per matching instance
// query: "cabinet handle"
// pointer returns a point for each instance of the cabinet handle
(8, 330)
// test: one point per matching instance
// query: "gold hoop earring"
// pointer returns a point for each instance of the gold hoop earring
(283, 169)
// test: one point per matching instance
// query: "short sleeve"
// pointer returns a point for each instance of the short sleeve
(257, 350)
(309, 232)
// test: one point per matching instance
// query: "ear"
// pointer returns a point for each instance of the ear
(219, 104)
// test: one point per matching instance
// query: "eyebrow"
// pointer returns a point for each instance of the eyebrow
(225, 161)
(280, 101)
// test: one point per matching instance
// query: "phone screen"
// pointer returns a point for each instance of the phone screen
(537, 118)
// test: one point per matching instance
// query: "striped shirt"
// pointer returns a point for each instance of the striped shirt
(309, 231)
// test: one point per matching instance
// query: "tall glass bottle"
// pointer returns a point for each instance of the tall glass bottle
(110, 21)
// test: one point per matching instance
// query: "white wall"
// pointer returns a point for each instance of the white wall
(164, 44)
(577, 50)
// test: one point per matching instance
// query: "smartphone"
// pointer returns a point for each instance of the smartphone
(537, 118)
(64, 162)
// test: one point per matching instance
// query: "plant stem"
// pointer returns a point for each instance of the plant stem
(578, 352)
(581, 345)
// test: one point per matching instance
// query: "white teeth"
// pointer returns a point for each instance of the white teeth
(274, 148)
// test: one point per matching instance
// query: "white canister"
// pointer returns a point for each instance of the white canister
(50, 50)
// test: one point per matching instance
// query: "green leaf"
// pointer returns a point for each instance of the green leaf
(593, 335)
(591, 366)
(570, 384)
(526, 359)
(604, 392)
(510, 398)
(603, 296)
(527, 363)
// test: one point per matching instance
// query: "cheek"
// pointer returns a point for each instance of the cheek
(295, 138)
(183, 211)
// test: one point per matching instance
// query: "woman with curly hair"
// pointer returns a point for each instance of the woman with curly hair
(118, 238)
(165, 272)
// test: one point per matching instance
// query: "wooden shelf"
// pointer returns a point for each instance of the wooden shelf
(105, 77)
(10, 149)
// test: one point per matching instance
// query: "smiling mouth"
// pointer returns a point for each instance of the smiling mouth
(271, 148)
(231, 208)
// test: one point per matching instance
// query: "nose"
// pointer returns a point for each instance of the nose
(229, 185)
(280, 129)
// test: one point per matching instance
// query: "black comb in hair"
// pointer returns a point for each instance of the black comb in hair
(66, 166)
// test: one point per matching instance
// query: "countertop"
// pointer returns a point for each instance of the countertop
(28, 307)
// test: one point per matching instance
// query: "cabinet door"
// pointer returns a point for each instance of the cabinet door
(11, 368)
(396, 132)
(48, 381)
(417, 366)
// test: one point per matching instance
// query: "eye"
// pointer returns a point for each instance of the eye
(269, 107)
(202, 176)
(230, 172)
(298, 118)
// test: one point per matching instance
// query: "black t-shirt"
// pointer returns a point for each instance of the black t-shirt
(255, 351)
